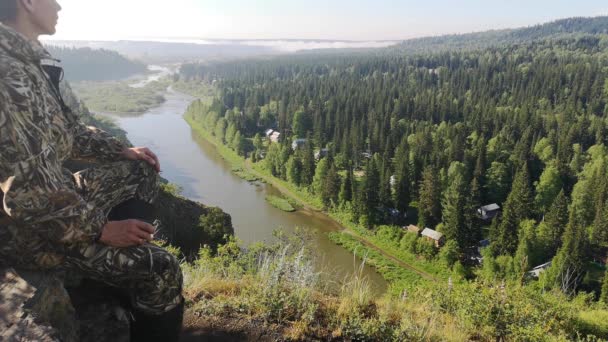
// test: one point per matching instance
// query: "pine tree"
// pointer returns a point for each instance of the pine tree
(385, 193)
(320, 174)
(516, 209)
(454, 212)
(346, 190)
(547, 188)
(552, 229)
(599, 231)
(402, 183)
(331, 188)
(521, 198)
(371, 191)
(294, 170)
(604, 294)
(526, 256)
(568, 267)
(429, 202)
(308, 163)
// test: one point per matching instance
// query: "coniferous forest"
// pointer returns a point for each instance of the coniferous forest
(417, 135)
(86, 64)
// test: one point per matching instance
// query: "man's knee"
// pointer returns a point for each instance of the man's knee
(166, 266)
(146, 177)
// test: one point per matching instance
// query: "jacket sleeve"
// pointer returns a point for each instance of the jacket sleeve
(91, 143)
(38, 196)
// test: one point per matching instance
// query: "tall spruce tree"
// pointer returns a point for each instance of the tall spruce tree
(604, 293)
(552, 229)
(346, 190)
(454, 221)
(517, 208)
(331, 187)
(372, 191)
(402, 183)
(308, 163)
(429, 202)
(568, 267)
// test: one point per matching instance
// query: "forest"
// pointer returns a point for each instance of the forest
(428, 138)
(86, 64)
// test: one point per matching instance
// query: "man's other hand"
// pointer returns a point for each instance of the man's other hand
(126, 233)
(142, 153)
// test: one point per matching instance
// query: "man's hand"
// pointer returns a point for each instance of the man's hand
(126, 233)
(142, 153)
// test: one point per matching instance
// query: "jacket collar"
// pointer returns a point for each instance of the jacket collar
(15, 44)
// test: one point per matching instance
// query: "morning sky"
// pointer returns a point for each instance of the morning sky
(306, 19)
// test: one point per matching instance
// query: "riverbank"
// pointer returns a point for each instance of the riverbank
(119, 97)
(404, 270)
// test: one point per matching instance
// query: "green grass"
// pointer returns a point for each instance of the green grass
(119, 97)
(399, 277)
(280, 203)
(196, 89)
(277, 286)
(245, 175)
(594, 322)
(393, 248)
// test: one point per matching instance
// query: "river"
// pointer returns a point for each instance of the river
(194, 164)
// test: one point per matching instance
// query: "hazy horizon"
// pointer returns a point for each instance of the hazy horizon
(340, 20)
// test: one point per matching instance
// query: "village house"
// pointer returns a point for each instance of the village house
(536, 271)
(322, 153)
(275, 136)
(433, 235)
(366, 155)
(488, 212)
(268, 133)
(298, 143)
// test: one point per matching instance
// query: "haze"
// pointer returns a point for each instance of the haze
(361, 20)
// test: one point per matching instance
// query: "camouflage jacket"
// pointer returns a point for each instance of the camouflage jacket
(37, 134)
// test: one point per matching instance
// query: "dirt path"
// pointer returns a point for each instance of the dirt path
(284, 190)
(393, 258)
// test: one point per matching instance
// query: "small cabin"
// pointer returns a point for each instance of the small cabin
(275, 136)
(413, 229)
(268, 132)
(536, 271)
(322, 153)
(298, 143)
(488, 212)
(433, 235)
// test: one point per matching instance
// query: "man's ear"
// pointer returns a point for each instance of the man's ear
(27, 5)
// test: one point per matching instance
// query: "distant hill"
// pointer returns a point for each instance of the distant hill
(86, 64)
(480, 40)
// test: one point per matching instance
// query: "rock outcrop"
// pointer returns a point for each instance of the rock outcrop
(35, 307)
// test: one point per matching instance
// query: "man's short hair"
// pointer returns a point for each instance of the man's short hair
(8, 10)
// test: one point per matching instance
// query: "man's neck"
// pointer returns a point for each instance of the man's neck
(25, 28)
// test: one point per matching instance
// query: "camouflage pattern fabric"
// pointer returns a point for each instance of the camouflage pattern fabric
(36, 137)
(151, 275)
(54, 216)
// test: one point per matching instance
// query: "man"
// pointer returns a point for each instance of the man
(52, 219)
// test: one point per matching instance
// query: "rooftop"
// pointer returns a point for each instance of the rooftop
(433, 234)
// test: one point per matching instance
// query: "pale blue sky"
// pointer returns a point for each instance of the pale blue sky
(309, 19)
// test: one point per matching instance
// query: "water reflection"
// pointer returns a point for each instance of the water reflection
(194, 164)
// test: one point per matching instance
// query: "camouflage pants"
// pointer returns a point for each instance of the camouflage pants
(149, 273)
